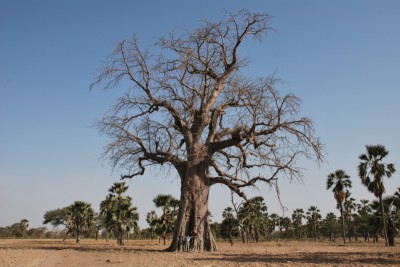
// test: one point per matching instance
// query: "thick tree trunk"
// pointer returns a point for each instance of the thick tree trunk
(193, 213)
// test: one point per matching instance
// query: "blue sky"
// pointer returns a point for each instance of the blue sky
(342, 58)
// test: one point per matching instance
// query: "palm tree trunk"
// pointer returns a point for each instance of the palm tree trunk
(78, 235)
(384, 221)
(120, 236)
(242, 234)
(348, 229)
(343, 223)
(315, 231)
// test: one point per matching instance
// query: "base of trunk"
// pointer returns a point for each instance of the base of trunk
(194, 244)
(192, 230)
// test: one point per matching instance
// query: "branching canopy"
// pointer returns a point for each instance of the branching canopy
(188, 103)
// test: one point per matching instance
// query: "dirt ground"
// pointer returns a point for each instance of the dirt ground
(49, 253)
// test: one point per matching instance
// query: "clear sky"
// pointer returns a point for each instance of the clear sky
(342, 58)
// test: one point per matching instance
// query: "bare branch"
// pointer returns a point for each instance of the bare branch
(188, 104)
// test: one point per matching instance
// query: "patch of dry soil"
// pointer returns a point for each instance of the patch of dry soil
(50, 253)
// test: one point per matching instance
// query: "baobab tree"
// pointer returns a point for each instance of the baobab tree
(188, 105)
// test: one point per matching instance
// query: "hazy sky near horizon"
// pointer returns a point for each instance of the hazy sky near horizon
(342, 58)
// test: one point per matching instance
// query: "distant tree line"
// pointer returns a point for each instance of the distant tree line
(380, 218)
(362, 221)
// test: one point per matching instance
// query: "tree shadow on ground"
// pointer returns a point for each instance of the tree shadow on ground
(335, 258)
(67, 245)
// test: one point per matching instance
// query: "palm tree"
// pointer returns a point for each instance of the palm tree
(396, 197)
(297, 218)
(391, 209)
(229, 225)
(24, 226)
(98, 224)
(81, 215)
(364, 214)
(254, 216)
(118, 211)
(348, 207)
(106, 213)
(152, 220)
(118, 189)
(284, 223)
(372, 171)
(228, 213)
(330, 226)
(272, 223)
(340, 182)
(364, 206)
(314, 217)
(166, 222)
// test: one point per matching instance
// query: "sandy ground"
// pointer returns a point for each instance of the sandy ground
(49, 253)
